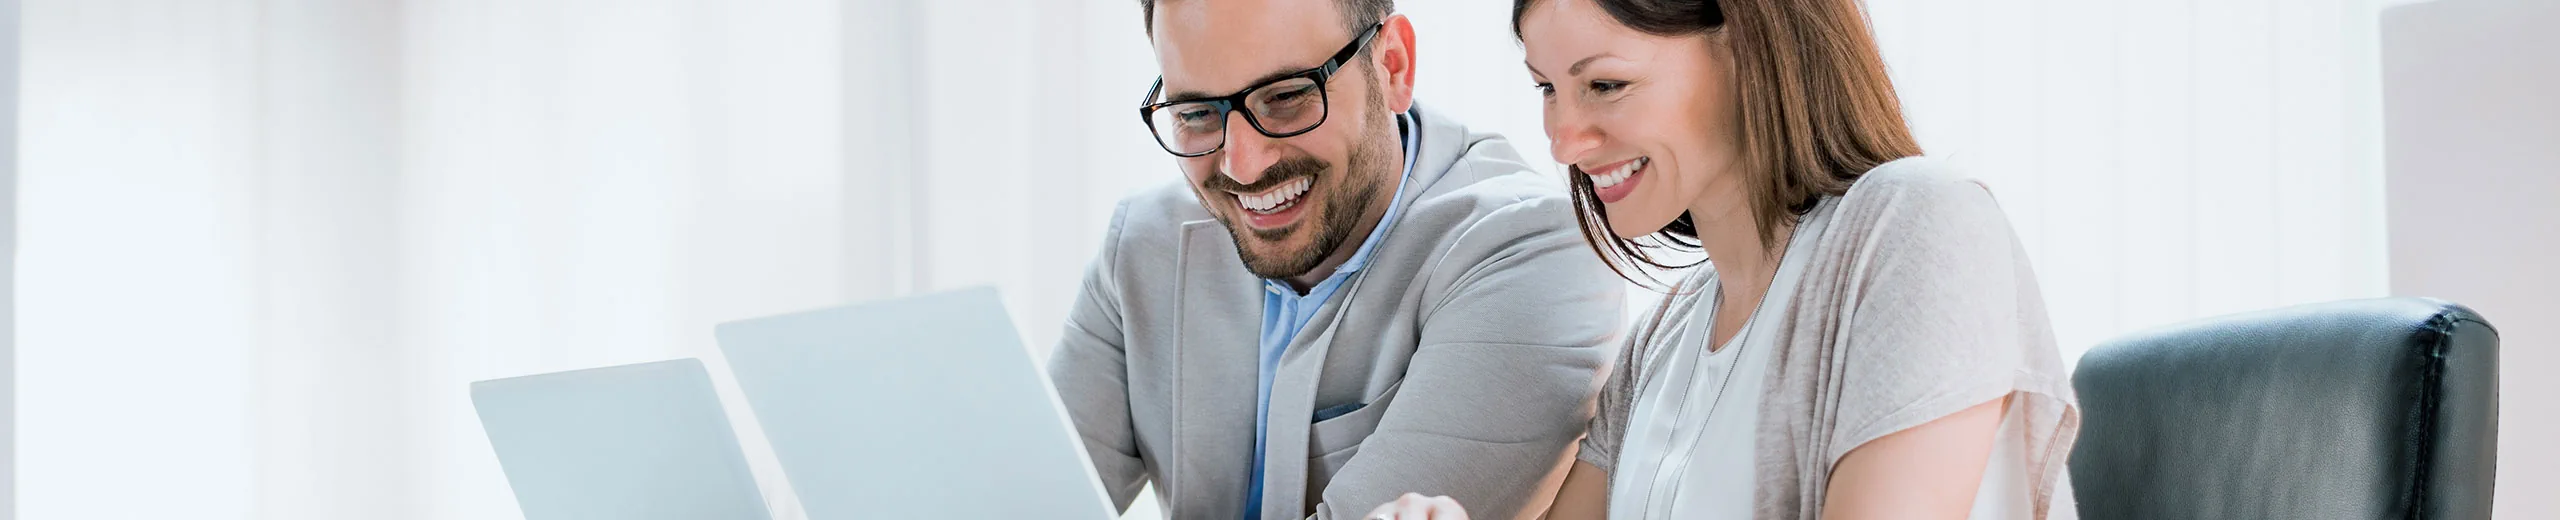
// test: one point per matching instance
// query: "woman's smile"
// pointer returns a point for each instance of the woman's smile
(1613, 182)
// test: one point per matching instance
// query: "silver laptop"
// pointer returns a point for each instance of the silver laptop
(923, 407)
(632, 442)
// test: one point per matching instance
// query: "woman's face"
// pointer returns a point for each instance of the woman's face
(1649, 119)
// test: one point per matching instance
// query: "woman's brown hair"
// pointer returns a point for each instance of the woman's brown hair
(1816, 109)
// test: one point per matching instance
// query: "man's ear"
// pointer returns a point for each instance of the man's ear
(1393, 52)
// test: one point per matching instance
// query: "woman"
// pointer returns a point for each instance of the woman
(1866, 339)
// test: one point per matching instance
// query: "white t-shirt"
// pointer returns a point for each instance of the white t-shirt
(1689, 452)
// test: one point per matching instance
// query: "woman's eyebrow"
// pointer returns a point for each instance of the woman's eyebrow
(1576, 69)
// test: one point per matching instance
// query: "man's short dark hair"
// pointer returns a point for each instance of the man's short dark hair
(1358, 15)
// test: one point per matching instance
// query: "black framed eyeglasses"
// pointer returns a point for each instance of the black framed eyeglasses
(1286, 107)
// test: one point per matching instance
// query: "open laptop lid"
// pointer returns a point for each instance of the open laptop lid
(922, 407)
(633, 442)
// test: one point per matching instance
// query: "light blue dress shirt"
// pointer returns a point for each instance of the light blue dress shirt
(1285, 312)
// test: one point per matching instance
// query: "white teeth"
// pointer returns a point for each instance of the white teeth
(1620, 175)
(1275, 200)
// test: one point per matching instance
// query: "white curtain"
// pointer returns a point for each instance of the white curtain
(2161, 160)
(268, 243)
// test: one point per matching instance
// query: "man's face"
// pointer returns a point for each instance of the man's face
(1289, 203)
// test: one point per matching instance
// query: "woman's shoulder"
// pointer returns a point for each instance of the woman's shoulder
(1918, 229)
(1919, 184)
(1918, 201)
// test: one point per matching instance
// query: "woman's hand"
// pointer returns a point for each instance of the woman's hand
(1417, 507)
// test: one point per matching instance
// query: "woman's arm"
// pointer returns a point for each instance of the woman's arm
(1929, 471)
(1585, 495)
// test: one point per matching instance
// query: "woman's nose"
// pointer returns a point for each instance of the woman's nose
(1570, 137)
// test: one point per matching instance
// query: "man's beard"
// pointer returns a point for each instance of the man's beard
(1353, 188)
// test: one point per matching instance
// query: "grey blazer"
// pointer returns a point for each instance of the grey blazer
(1472, 343)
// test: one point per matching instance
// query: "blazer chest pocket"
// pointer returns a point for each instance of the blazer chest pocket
(1332, 441)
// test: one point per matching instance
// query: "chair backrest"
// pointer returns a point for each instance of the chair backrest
(633, 442)
(2381, 408)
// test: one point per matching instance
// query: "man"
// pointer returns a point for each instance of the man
(1348, 298)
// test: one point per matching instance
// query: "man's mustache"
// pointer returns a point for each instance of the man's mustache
(1279, 173)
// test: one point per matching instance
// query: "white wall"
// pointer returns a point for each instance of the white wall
(2473, 127)
(8, 259)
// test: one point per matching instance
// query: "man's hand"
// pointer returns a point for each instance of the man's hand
(1417, 507)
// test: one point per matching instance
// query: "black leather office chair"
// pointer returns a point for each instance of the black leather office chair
(2360, 409)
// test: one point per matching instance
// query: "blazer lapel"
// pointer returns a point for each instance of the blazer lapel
(1442, 143)
(1293, 395)
(1215, 369)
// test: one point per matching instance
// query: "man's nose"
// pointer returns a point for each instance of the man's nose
(1247, 151)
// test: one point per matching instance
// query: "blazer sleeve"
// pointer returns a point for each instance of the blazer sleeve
(1090, 370)
(1502, 380)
